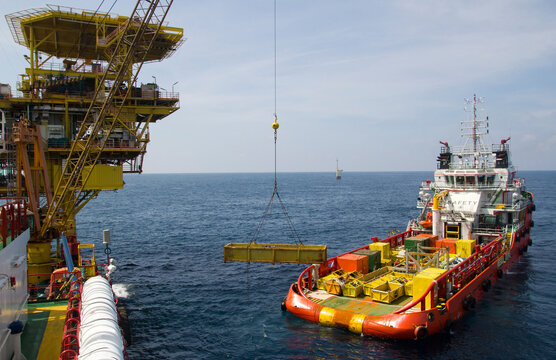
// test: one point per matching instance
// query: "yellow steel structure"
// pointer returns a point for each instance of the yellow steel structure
(91, 102)
(89, 269)
(423, 280)
(25, 136)
(275, 253)
(134, 40)
(102, 176)
(78, 118)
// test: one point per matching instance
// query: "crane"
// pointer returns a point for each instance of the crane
(133, 40)
(77, 128)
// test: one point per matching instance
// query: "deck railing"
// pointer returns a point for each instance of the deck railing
(70, 338)
(39, 291)
(13, 218)
(457, 277)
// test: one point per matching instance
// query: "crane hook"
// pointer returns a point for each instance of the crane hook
(275, 124)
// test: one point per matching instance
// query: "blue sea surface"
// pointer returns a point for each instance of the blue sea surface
(184, 302)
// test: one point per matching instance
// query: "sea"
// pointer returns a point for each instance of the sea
(168, 232)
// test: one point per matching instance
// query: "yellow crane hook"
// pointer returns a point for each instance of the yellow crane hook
(275, 124)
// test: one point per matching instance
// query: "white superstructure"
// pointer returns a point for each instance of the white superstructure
(475, 193)
(13, 291)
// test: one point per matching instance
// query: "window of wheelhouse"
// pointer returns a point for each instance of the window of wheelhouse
(449, 180)
(460, 180)
(481, 180)
(490, 179)
(470, 181)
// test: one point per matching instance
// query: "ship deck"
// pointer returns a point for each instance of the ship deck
(359, 305)
(42, 335)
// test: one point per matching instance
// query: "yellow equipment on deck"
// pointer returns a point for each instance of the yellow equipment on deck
(87, 264)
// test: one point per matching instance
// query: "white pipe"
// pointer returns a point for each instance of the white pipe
(100, 336)
(436, 223)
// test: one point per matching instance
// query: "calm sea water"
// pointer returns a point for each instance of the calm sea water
(168, 234)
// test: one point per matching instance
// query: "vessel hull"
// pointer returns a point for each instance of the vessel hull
(413, 323)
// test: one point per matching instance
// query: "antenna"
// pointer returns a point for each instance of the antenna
(474, 129)
(477, 127)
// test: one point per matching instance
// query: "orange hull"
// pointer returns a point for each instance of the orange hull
(412, 323)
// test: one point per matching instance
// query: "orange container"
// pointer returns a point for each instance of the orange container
(353, 262)
(450, 243)
(433, 239)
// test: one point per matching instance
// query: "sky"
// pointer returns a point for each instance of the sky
(374, 84)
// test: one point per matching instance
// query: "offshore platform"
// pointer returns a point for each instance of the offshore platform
(78, 119)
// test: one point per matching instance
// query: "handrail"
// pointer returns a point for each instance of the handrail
(70, 338)
(13, 218)
(471, 260)
(475, 260)
(101, 269)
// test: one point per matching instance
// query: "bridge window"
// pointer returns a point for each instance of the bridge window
(490, 179)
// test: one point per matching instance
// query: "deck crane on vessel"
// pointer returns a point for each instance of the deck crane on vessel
(78, 128)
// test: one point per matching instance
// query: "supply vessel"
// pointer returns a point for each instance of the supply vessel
(75, 122)
(474, 224)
